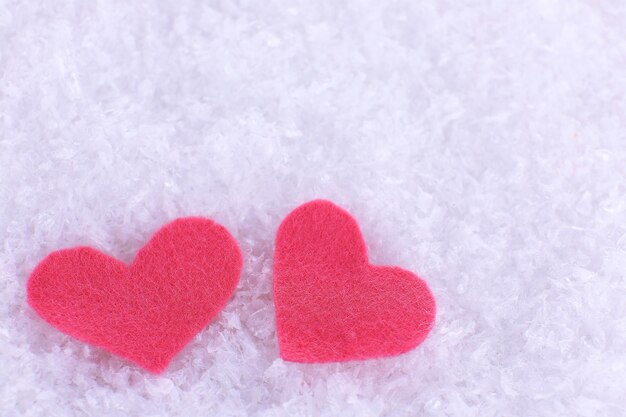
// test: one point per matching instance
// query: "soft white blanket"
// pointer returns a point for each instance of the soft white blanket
(481, 144)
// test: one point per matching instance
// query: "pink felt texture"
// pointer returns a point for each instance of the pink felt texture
(148, 311)
(331, 304)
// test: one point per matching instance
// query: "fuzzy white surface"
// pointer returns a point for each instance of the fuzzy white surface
(481, 144)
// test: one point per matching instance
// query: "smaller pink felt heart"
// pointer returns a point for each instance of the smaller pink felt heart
(148, 311)
(331, 303)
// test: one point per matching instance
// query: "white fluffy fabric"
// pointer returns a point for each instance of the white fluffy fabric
(481, 144)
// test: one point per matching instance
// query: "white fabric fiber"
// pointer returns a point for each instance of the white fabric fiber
(481, 144)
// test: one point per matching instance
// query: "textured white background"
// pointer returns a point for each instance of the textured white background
(481, 144)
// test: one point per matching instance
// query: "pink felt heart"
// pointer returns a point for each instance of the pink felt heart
(331, 303)
(147, 311)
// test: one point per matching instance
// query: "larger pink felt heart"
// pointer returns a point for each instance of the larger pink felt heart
(331, 304)
(147, 311)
